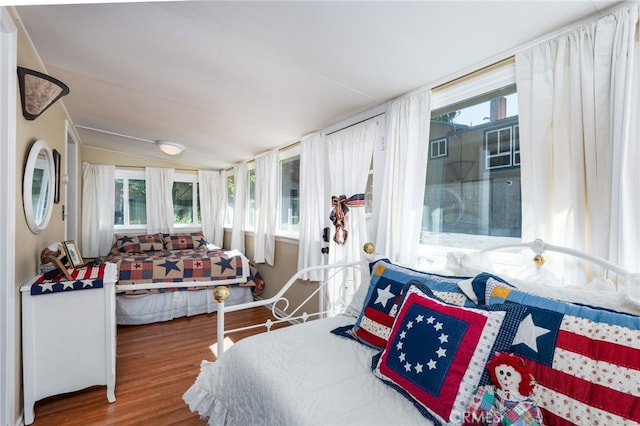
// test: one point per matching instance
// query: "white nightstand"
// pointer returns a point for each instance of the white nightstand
(68, 340)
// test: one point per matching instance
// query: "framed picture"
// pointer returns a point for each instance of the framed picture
(73, 254)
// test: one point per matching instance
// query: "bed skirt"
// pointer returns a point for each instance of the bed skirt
(150, 308)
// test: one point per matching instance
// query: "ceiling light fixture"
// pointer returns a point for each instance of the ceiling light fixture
(170, 148)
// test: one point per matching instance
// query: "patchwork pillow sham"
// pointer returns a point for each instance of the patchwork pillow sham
(387, 281)
(185, 241)
(436, 353)
(137, 243)
(586, 360)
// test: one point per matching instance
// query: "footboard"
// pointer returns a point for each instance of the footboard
(221, 293)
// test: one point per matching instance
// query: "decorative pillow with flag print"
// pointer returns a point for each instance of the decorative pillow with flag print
(586, 360)
(387, 281)
(436, 354)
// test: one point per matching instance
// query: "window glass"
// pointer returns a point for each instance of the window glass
(119, 203)
(289, 194)
(137, 202)
(251, 199)
(473, 174)
(183, 202)
(228, 217)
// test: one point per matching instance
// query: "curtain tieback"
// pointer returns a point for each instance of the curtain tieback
(340, 209)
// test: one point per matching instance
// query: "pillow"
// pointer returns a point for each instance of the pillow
(586, 360)
(137, 243)
(387, 281)
(185, 241)
(436, 354)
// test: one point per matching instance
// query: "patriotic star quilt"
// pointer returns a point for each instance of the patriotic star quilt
(586, 360)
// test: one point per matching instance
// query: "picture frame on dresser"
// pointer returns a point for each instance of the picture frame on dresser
(73, 254)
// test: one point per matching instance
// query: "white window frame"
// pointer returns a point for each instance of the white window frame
(508, 152)
(189, 178)
(284, 155)
(438, 143)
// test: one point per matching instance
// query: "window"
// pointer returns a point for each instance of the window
(472, 190)
(131, 202)
(438, 148)
(250, 218)
(228, 216)
(186, 200)
(289, 184)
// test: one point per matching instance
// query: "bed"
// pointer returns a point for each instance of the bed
(166, 276)
(369, 365)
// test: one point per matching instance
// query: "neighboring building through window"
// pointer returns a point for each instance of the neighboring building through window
(474, 191)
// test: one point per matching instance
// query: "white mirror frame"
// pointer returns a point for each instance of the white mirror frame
(27, 186)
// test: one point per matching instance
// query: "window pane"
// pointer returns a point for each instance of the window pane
(251, 200)
(289, 194)
(230, 199)
(182, 202)
(475, 188)
(198, 202)
(137, 202)
(119, 210)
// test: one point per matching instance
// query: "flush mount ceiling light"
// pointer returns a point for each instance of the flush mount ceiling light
(38, 92)
(170, 148)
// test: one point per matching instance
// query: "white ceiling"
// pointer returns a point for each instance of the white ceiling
(231, 80)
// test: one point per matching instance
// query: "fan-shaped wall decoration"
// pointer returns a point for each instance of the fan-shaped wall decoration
(38, 92)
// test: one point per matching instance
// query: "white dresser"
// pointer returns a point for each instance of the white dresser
(68, 338)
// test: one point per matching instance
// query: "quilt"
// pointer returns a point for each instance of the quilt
(178, 266)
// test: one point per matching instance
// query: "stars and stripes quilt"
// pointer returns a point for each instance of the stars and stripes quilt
(586, 361)
(83, 279)
(178, 266)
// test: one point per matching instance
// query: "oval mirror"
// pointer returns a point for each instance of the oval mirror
(37, 188)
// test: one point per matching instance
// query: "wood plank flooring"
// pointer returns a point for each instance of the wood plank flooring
(155, 365)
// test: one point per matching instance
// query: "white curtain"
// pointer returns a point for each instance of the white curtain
(212, 205)
(314, 203)
(98, 208)
(578, 108)
(266, 207)
(402, 199)
(349, 160)
(159, 189)
(240, 198)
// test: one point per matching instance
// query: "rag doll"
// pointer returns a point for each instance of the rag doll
(508, 400)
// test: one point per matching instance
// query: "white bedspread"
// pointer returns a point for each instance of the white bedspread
(257, 382)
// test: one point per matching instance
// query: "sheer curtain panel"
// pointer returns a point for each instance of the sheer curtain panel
(212, 205)
(266, 208)
(239, 203)
(159, 189)
(578, 104)
(405, 172)
(98, 207)
(314, 203)
(349, 158)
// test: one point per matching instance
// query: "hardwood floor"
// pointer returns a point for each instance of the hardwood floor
(155, 365)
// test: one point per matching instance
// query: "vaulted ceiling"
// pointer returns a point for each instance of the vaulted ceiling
(231, 80)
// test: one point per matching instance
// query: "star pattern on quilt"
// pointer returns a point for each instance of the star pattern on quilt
(384, 295)
(125, 239)
(431, 327)
(170, 266)
(225, 263)
(528, 333)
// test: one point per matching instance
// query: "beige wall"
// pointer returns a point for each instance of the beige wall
(51, 127)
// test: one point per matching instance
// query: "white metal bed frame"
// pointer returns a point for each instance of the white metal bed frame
(538, 246)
